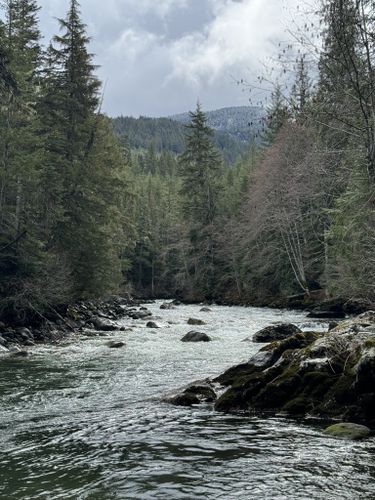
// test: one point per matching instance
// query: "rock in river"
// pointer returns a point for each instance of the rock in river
(194, 394)
(274, 332)
(167, 306)
(327, 375)
(152, 324)
(196, 337)
(104, 326)
(196, 322)
(346, 430)
(116, 344)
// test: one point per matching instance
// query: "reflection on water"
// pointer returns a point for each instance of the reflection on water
(83, 421)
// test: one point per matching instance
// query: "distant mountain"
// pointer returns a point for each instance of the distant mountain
(234, 128)
(242, 122)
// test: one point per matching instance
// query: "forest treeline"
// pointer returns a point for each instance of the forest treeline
(168, 134)
(82, 214)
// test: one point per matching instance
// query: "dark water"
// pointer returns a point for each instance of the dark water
(83, 421)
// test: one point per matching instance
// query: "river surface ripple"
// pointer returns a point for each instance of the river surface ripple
(82, 421)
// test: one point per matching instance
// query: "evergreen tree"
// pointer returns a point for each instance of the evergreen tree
(21, 258)
(301, 91)
(200, 170)
(277, 114)
(76, 175)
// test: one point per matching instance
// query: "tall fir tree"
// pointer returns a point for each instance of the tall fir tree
(78, 210)
(200, 169)
(277, 114)
(21, 257)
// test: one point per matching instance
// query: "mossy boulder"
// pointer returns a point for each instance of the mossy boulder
(328, 375)
(346, 430)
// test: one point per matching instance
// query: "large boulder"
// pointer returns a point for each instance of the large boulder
(328, 375)
(275, 332)
(196, 322)
(347, 430)
(196, 337)
(104, 326)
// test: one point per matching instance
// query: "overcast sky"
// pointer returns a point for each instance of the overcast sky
(158, 57)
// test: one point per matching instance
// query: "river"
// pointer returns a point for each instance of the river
(82, 421)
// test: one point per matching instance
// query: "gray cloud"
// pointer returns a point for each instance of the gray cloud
(158, 57)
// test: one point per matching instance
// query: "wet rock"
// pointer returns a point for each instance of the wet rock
(25, 334)
(196, 337)
(326, 313)
(332, 325)
(116, 344)
(365, 373)
(152, 324)
(15, 353)
(184, 399)
(140, 314)
(206, 310)
(196, 322)
(328, 375)
(168, 306)
(346, 430)
(104, 326)
(177, 302)
(194, 394)
(274, 333)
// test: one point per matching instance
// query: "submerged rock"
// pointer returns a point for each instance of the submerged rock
(196, 337)
(346, 430)
(196, 322)
(116, 344)
(274, 332)
(206, 310)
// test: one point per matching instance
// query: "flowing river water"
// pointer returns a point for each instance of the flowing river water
(82, 421)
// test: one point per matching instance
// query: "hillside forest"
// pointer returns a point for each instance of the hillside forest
(91, 206)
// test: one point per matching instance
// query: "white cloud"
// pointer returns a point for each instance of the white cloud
(158, 56)
(160, 7)
(243, 33)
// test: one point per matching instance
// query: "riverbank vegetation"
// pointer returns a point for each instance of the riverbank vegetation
(83, 215)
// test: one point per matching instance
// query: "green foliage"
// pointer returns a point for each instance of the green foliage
(63, 176)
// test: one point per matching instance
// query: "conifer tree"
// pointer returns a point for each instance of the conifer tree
(200, 169)
(277, 114)
(301, 91)
(21, 257)
(76, 176)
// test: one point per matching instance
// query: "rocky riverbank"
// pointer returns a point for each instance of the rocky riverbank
(93, 315)
(327, 375)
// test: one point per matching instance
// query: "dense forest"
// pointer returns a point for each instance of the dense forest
(87, 210)
(233, 130)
